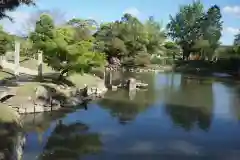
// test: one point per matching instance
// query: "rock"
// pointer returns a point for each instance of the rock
(72, 101)
(115, 61)
(141, 85)
(41, 92)
(92, 90)
(114, 88)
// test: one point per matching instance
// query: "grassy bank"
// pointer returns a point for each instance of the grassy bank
(27, 89)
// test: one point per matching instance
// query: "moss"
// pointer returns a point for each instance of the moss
(8, 115)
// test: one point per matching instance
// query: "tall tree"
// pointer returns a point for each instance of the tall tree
(192, 25)
(84, 28)
(43, 36)
(211, 26)
(131, 40)
(61, 49)
(155, 35)
(184, 26)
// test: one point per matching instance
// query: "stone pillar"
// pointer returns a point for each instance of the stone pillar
(110, 78)
(2, 58)
(104, 76)
(17, 57)
(132, 84)
(40, 61)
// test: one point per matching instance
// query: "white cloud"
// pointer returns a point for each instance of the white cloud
(133, 11)
(19, 20)
(231, 30)
(24, 22)
(232, 10)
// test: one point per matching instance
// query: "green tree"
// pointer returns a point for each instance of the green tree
(191, 24)
(211, 30)
(171, 49)
(184, 27)
(83, 27)
(155, 36)
(131, 40)
(5, 41)
(61, 50)
(113, 46)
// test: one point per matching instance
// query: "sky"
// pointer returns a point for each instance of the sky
(111, 10)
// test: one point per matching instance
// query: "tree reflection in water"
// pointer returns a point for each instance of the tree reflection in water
(12, 141)
(123, 107)
(124, 111)
(127, 105)
(70, 142)
(191, 105)
(187, 117)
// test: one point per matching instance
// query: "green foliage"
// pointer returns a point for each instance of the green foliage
(82, 44)
(5, 41)
(128, 38)
(62, 50)
(142, 59)
(171, 49)
(191, 27)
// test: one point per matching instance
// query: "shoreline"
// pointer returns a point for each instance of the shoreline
(31, 107)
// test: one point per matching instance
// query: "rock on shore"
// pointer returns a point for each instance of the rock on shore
(46, 100)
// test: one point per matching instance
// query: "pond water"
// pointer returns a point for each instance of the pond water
(175, 118)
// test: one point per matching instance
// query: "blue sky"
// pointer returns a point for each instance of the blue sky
(109, 10)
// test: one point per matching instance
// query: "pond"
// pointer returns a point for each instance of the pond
(175, 118)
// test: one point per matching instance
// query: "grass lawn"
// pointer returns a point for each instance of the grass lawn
(23, 92)
(33, 64)
(79, 80)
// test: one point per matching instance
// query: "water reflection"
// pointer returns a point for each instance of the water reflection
(123, 107)
(191, 105)
(189, 117)
(127, 105)
(70, 142)
(12, 141)
(176, 118)
(132, 94)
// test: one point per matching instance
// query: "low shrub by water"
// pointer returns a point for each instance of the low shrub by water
(230, 65)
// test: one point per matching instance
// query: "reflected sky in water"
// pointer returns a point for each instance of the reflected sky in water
(177, 117)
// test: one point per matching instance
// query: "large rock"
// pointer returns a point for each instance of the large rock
(42, 93)
(115, 61)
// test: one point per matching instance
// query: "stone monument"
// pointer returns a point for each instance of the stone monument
(16, 57)
(132, 84)
(40, 61)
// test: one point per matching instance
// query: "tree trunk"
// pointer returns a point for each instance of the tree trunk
(186, 54)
